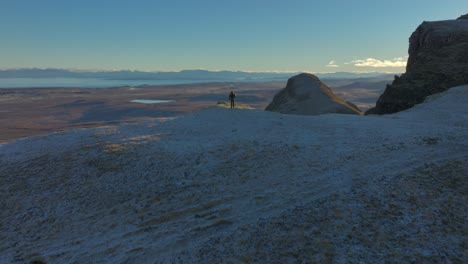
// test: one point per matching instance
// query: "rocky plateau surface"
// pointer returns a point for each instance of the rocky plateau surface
(243, 186)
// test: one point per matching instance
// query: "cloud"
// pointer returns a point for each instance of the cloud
(332, 64)
(371, 62)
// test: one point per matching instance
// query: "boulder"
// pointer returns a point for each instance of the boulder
(305, 94)
(438, 60)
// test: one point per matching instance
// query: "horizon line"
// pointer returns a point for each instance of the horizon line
(194, 69)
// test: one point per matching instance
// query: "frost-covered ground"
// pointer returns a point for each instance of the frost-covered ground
(241, 185)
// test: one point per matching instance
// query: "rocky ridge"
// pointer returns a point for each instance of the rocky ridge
(438, 60)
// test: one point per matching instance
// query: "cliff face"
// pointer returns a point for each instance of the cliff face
(438, 60)
(305, 94)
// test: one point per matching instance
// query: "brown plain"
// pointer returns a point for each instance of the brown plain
(27, 112)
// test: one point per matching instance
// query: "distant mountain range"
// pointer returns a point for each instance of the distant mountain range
(182, 75)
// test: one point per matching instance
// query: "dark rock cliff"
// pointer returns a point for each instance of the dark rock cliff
(438, 60)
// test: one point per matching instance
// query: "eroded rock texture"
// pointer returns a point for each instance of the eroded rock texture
(438, 60)
(305, 94)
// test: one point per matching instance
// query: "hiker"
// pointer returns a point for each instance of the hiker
(232, 97)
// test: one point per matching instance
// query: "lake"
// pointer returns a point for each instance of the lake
(144, 101)
(100, 83)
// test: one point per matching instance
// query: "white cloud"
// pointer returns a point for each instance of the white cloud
(371, 62)
(332, 64)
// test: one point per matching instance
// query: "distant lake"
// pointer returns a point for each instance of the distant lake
(143, 101)
(99, 83)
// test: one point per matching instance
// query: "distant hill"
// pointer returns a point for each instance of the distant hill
(378, 85)
(185, 74)
(353, 75)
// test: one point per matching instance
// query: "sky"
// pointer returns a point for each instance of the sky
(241, 35)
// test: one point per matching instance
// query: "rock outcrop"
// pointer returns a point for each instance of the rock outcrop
(305, 94)
(438, 60)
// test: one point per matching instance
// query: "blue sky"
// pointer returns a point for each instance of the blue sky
(246, 35)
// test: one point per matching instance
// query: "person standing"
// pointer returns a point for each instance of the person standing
(232, 97)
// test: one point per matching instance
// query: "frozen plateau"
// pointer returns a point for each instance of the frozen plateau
(244, 186)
